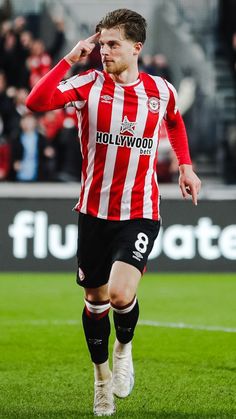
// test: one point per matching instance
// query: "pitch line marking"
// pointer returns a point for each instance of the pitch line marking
(181, 325)
(152, 323)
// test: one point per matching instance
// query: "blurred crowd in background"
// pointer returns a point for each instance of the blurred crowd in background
(45, 147)
(33, 147)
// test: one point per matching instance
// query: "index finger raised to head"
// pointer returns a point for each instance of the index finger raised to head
(94, 38)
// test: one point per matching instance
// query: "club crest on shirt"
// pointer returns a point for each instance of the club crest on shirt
(127, 126)
(153, 104)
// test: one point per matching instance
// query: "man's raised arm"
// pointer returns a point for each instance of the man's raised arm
(45, 96)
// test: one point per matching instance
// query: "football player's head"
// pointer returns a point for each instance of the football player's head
(122, 34)
(133, 24)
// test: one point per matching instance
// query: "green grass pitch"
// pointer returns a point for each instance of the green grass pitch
(181, 372)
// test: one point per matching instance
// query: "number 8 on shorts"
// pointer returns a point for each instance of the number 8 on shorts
(141, 242)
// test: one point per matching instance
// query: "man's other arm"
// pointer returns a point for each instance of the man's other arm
(188, 181)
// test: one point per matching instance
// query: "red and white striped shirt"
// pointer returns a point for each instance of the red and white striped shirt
(118, 131)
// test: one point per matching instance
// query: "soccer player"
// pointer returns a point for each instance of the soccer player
(119, 111)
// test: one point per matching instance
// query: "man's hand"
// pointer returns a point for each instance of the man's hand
(189, 182)
(82, 49)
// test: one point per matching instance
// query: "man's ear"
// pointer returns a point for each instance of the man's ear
(138, 48)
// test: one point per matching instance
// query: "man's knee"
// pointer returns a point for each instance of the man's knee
(123, 283)
(97, 294)
(120, 296)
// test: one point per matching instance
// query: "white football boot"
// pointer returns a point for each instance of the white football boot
(123, 370)
(103, 398)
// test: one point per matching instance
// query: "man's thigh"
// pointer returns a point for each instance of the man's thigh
(123, 283)
(135, 241)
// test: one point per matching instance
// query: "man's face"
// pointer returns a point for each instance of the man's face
(117, 53)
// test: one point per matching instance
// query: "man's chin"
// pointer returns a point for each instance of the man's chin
(109, 69)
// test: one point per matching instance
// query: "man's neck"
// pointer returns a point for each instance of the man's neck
(126, 77)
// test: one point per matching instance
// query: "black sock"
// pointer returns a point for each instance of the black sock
(125, 321)
(97, 331)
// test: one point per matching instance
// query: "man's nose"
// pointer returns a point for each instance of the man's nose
(104, 49)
